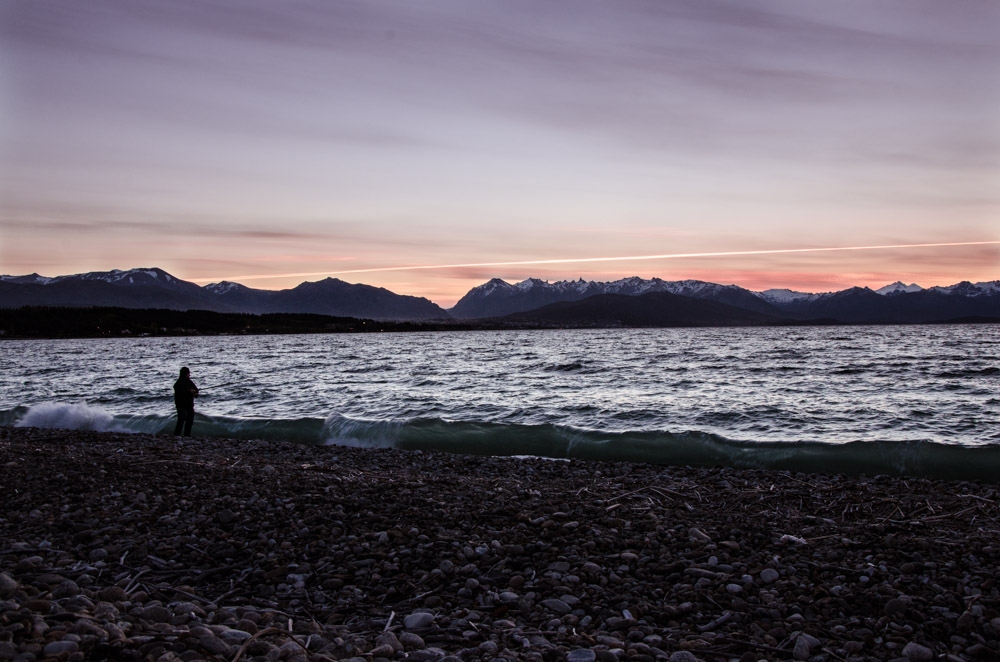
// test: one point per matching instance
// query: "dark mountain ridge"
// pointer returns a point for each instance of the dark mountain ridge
(155, 288)
(329, 297)
(894, 304)
(653, 309)
(137, 288)
(499, 302)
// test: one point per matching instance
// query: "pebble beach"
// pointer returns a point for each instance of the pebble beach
(144, 547)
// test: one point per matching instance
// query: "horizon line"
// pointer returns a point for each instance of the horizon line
(623, 258)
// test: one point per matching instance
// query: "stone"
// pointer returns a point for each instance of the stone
(312, 567)
(917, 652)
(411, 641)
(7, 585)
(698, 535)
(62, 647)
(427, 655)
(609, 641)
(234, 636)
(556, 605)
(383, 650)
(112, 594)
(418, 621)
(389, 639)
(896, 606)
(214, 644)
(801, 649)
(66, 589)
(225, 517)
(157, 614)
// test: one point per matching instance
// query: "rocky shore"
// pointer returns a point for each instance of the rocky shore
(134, 547)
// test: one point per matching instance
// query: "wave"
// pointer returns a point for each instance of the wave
(76, 417)
(689, 448)
(564, 367)
(960, 374)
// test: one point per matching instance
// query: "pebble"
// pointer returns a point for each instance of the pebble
(7, 585)
(389, 639)
(917, 652)
(411, 641)
(418, 621)
(801, 649)
(557, 605)
(363, 554)
(382, 650)
(769, 575)
(57, 648)
(896, 606)
(699, 535)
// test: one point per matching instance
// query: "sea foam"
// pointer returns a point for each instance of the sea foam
(69, 416)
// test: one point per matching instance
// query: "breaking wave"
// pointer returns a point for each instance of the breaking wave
(921, 458)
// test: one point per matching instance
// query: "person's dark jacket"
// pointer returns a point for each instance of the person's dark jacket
(184, 393)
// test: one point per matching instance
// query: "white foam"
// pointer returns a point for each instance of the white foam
(340, 430)
(69, 416)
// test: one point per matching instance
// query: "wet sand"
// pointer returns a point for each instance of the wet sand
(137, 547)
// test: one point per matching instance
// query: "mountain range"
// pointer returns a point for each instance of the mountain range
(155, 288)
(627, 302)
(893, 304)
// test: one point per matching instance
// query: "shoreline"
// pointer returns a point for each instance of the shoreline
(101, 322)
(130, 547)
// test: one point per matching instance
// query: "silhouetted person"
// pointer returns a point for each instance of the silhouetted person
(184, 394)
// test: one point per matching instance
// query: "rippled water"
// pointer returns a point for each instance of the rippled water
(634, 394)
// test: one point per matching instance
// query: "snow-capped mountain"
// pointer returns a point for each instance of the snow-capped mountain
(135, 288)
(497, 298)
(780, 297)
(896, 303)
(155, 288)
(898, 288)
(30, 279)
(225, 287)
(132, 277)
(967, 289)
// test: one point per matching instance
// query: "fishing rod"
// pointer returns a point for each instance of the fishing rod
(218, 385)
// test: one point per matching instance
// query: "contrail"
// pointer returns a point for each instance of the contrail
(577, 260)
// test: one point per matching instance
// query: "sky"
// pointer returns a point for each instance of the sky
(426, 147)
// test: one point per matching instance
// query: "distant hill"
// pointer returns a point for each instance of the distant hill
(328, 297)
(155, 288)
(99, 322)
(655, 309)
(497, 302)
(138, 288)
(498, 298)
(859, 305)
(893, 304)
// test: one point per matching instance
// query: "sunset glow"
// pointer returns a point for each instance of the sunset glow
(428, 147)
(620, 258)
